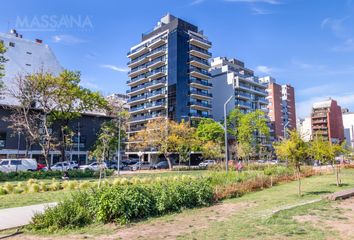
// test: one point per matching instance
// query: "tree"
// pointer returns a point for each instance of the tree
(71, 100)
(212, 150)
(2, 67)
(247, 128)
(166, 137)
(244, 151)
(326, 152)
(295, 151)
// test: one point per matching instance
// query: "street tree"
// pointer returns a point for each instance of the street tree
(2, 65)
(295, 151)
(166, 137)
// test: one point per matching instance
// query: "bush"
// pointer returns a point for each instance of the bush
(124, 203)
(2, 191)
(71, 213)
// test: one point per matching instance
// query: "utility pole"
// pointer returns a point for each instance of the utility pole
(225, 129)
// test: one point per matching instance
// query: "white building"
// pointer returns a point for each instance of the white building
(25, 57)
(348, 123)
(304, 127)
(231, 78)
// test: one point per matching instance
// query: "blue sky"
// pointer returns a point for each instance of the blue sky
(307, 43)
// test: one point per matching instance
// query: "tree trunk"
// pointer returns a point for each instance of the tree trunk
(167, 156)
(299, 180)
(337, 175)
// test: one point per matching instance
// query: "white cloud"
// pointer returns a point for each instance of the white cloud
(260, 11)
(115, 68)
(308, 66)
(273, 2)
(66, 39)
(196, 2)
(90, 85)
(264, 69)
(314, 91)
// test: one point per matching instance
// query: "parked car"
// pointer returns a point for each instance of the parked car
(74, 164)
(95, 166)
(122, 166)
(207, 163)
(141, 166)
(161, 165)
(60, 166)
(14, 165)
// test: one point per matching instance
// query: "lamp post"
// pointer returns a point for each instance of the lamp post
(78, 143)
(225, 130)
(118, 149)
(18, 143)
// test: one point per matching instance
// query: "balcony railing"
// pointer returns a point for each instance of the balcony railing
(200, 115)
(200, 93)
(200, 60)
(201, 50)
(162, 48)
(155, 93)
(136, 98)
(199, 70)
(201, 104)
(200, 39)
(243, 104)
(199, 81)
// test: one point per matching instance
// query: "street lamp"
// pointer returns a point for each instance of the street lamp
(18, 143)
(225, 130)
(118, 149)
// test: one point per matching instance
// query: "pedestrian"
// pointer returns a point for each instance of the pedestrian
(239, 166)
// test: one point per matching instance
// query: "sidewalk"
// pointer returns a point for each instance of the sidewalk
(20, 216)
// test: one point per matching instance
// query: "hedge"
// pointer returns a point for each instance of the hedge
(73, 174)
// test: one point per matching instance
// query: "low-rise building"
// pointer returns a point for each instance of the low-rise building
(348, 123)
(326, 120)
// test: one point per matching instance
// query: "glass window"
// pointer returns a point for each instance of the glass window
(16, 162)
(4, 163)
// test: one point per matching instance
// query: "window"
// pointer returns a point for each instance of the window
(4, 163)
(27, 64)
(16, 162)
(11, 44)
(29, 53)
(2, 140)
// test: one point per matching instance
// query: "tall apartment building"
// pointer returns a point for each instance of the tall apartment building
(348, 123)
(169, 75)
(282, 112)
(232, 78)
(24, 57)
(327, 122)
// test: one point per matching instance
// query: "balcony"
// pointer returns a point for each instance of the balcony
(158, 52)
(245, 96)
(199, 42)
(199, 105)
(200, 115)
(262, 100)
(157, 42)
(155, 105)
(199, 73)
(198, 83)
(252, 89)
(156, 63)
(137, 90)
(136, 109)
(156, 73)
(157, 83)
(157, 94)
(137, 99)
(137, 51)
(242, 104)
(137, 71)
(200, 94)
(199, 62)
(199, 52)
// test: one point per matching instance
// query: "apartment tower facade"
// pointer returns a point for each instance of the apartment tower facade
(281, 106)
(232, 78)
(169, 75)
(327, 121)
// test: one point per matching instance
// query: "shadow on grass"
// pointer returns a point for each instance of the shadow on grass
(341, 185)
(318, 192)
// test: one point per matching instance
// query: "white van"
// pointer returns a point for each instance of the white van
(14, 165)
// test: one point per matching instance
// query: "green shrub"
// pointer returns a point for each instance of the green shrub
(71, 213)
(55, 186)
(9, 187)
(43, 186)
(18, 190)
(84, 185)
(34, 188)
(2, 191)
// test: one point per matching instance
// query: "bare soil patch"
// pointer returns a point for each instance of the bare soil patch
(340, 219)
(169, 227)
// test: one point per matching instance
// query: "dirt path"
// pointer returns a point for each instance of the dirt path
(340, 219)
(169, 227)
